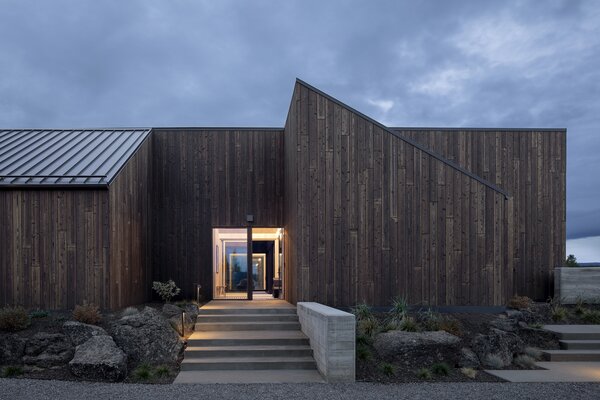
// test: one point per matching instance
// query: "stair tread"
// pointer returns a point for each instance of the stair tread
(244, 315)
(572, 351)
(247, 347)
(248, 335)
(226, 360)
(577, 341)
(248, 322)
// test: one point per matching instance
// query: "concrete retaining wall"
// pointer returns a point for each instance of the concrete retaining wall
(332, 339)
(574, 283)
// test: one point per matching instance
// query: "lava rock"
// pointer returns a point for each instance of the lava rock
(192, 311)
(99, 358)
(12, 348)
(434, 346)
(505, 324)
(147, 337)
(79, 332)
(504, 344)
(187, 323)
(47, 350)
(171, 310)
(468, 358)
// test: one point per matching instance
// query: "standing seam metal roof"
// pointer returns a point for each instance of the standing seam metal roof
(69, 157)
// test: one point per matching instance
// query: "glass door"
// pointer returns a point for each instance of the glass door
(230, 265)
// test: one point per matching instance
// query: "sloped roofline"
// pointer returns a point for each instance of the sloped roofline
(409, 141)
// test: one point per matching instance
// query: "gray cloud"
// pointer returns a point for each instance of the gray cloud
(185, 63)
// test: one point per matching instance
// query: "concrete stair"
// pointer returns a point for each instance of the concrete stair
(578, 343)
(248, 344)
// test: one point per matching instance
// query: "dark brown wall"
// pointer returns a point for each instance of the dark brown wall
(130, 235)
(54, 247)
(369, 216)
(205, 179)
(531, 165)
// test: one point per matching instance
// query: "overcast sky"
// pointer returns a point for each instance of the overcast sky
(223, 63)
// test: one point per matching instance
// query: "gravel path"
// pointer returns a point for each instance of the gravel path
(39, 389)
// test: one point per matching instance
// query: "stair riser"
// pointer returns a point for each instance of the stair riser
(247, 366)
(579, 336)
(248, 318)
(580, 346)
(571, 357)
(266, 311)
(246, 327)
(247, 342)
(247, 353)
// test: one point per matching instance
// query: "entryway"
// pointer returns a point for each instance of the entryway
(234, 277)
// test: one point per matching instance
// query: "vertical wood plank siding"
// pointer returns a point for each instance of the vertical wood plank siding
(207, 178)
(54, 248)
(369, 216)
(531, 165)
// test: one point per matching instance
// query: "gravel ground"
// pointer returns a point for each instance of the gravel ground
(39, 389)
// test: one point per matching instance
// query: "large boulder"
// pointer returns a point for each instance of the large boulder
(432, 346)
(147, 337)
(171, 310)
(193, 311)
(47, 350)
(99, 358)
(187, 323)
(501, 343)
(79, 332)
(507, 324)
(12, 348)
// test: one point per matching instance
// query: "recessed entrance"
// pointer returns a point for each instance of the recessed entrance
(231, 280)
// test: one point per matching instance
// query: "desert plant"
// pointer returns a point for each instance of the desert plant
(387, 369)
(11, 371)
(494, 361)
(440, 368)
(362, 311)
(87, 313)
(399, 307)
(129, 311)
(142, 372)
(368, 327)
(391, 325)
(424, 373)
(524, 361)
(469, 372)
(430, 320)
(558, 313)
(533, 352)
(591, 316)
(579, 308)
(38, 314)
(162, 371)
(408, 324)
(364, 340)
(13, 319)
(451, 326)
(166, 290)
(363, 353)
(535, 325)
(571, 261)
(520, 302)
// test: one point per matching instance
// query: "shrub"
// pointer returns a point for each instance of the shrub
(424, 373)
(166, 290)
(440, 368)
(142, 372)
(494, 361)
(399, 307)
(520, 302)
(408, 324)
(362, 311)
(162, 371)
(533, 352)
(579, 306)
(571, 261)
(87, 313)
(451, 326)
(129, 311)
(524, 361)
(391, 325)
(368, 327)
(535, 325)
(363, 353)
(13, 319)
(469, 372)
(364, 340)
(591, 316)
(38, 314)
(387, 369)
(430, 320)
(558, 313)
(10, 371)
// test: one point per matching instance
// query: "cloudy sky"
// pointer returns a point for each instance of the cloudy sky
(223, 63)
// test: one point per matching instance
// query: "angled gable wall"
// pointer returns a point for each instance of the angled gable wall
(370, 216)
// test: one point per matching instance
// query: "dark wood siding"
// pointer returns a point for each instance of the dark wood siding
(205, 179)
(531, 165)
(54, 248)
(369, 216)
(130, 237)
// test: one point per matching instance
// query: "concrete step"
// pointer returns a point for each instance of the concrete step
(247, 318)
(255, 311)
(248, 338)
(580, 344)
(253, 376)
(246, 326)
(571, 355)
(248, 351)
(575, 332)
(247, 363)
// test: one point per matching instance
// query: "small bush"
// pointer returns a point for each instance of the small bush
(387, 369)
(391, 325)
(494, 361)
(363, 353)
(368, 327)
(399, 307)
(408, 324)
(162, 371)
(166, 290)
(536, 325)
(520, 302)
(571, 261)
(558, 313)
(13, 319)
(579, 307)
(430, 320)
(129, 311)
(469, 372)
(11, 371)
(524, 361)
(591, 316)
(451, 326)
(440, 368)
(38, 314)
(424, 374)
(87, 313)
(142, 372)
(533, 352)
(362, 311)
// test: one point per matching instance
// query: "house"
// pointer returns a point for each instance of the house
(334, 208)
